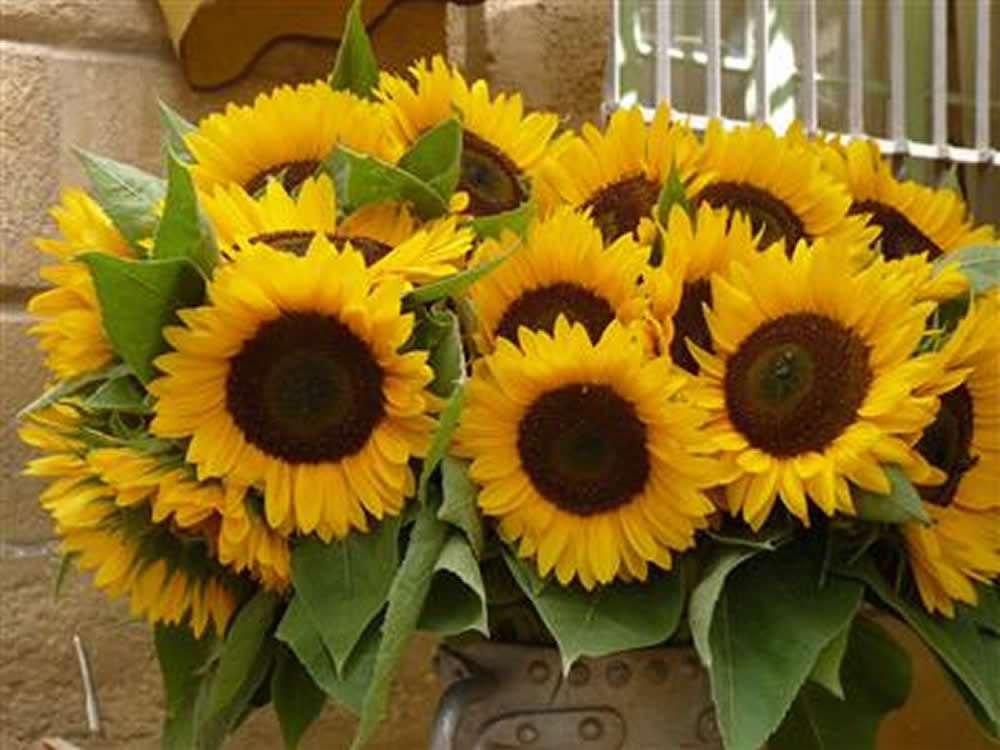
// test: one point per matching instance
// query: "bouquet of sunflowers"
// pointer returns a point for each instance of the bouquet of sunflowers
(377, 348)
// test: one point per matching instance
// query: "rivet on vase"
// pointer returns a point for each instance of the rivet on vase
(590, 729)
(579, 674)
(656, 671)
(527, 733)
(618, 673)
(538, 671)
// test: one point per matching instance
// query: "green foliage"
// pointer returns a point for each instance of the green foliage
(457, 600)
(614, 617)
(361, 179)
(447, 422)
(75, 386)
(139, 298)
(455, 284)
(459, 505)
(175, 128)
(705, 595)
(902, 504)
(979, 263)
(673, 193)
(515, 220)
(127, 195)
(183, 232)
(436, 158)
(355, 68)
(182, 660)
(119, 394)
(296, 698)
(876, 674)
(447, 355)
(826, 670)
(344, 584)
(771, 620)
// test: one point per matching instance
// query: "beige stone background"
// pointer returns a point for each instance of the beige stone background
(88, 73)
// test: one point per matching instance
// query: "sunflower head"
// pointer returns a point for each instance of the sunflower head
(563, 268)
(584, 453)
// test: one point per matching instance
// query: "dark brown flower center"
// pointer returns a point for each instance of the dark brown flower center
(618, 208)
(689, 323)
(537, 309)
(490, 177)
(764, 211)
(291, 173)
(584, 448)
(796, 383)
(305, 389)
(297, 241)
(946, 444)
(898, 237)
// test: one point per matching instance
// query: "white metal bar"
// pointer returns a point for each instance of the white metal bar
(616, 35)
(897, 71)
(983, 75)
(713, 46)
(810, 110)
(939, 85)
(664, 40)
(855, 68)
(761, 49)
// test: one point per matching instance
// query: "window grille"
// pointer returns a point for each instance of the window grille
(921, 77)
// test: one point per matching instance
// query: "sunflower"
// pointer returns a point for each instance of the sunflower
(291, 380)
(961, 544)
(680, 286)
(618, 174)
(584, 453)
(781, 184)
(71, 333)
(501, 146)
(384, 232)
(811, 384)
(246, 542)
(285, 134)
(563, 268)
(913, 221)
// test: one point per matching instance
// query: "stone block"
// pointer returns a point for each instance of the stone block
(82, 23)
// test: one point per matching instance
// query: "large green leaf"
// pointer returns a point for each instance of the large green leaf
(183, 231)
(127, 195)
(344, 584)
(139, 298)
(436, 157)
(175, 128)
(614, 617)
(826, 670)
(447, 357)
(74, 386)
(515, 220)
(876, 674)
(182, 658)
(296, 698)
(406, 601)
(986, 613)
(355, 68)
(457, 600)
(120, 394)
(673, 193)
(706, 592)
(447, 422)
(991, 650)
(979, 263)
(770, 622)
(902, 504)
(455, 284)
(958, 643)
(459, 506)
(361, 179)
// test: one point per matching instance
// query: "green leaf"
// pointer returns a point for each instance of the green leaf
(66, 564)
(459, 506)
(355, 68)
(406, 601)
(454, 284)
(73, 386)
(770, 623)
(127, 195)
(183, 232)
(902, 504)
(989, 725)
(175, 127)
(361, 179)
(515, 220)
(248, 633)
(182, 659)
(876, 674)
(300, 632)
(457, 600)
(296, 698)
(949, 181)
(614, 617)
(447, 357)
(673, 193)
(772, 536)
(706, 593)
(139, 298)
(957, 642)
(979, 263)
(826, 670)
(986, 613)
(344, 583)
(119, 394)
(447, 422)
(436, 157)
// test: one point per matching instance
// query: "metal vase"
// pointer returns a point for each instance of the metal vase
(500, 696)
